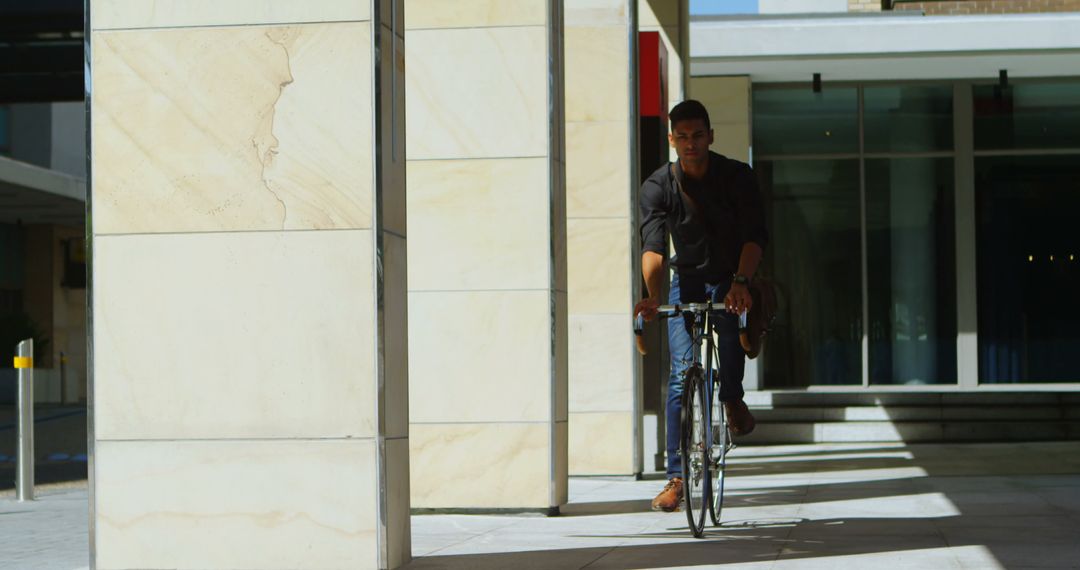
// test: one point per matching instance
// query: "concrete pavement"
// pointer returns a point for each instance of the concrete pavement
(979, 506)
(808, 506)
(50, 533)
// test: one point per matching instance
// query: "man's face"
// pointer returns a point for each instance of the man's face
(691, 140)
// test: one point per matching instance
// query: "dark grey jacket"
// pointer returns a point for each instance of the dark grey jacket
(709, 228)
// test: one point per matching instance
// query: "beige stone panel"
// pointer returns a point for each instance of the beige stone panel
(395, 336)
(601, 443)
(726, 98)
(477, 93)
(482, 356)
(597, 74)
(112, 14)
(398, 526)
(242, 335)
(732, 141)
(657, 13)
(236, 504)
(599, 265)
(601, 363)
(222, 129)
(598, 170)
(439, 14)
(728, 101)
(490, 465)
(596, 13)
(479, 224)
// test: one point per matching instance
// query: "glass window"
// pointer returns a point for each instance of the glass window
(814, 258)
(1028, 268)
(12, 248)
(908, 118)
(5, 131)
(911, 270)
(799, 121)
(1027, 115)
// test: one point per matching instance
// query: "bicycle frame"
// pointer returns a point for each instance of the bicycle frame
(715, 444)
(701, 328)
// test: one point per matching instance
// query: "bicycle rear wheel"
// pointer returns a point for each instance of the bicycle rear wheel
(721, 443)
(694, 447)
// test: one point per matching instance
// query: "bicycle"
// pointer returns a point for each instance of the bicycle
(703, 451)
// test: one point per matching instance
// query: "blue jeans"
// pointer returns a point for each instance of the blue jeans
(683, 354)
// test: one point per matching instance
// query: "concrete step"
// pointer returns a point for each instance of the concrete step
(911, 413)
(859, 415)
(910, 431)
(858, 397)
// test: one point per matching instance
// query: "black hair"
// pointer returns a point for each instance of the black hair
(689, 110)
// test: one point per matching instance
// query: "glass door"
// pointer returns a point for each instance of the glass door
(858, 182)
(1027, 168)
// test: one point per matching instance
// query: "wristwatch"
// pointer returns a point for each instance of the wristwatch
(740, 279)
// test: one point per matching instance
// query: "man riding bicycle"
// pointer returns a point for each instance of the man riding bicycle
(712, 209)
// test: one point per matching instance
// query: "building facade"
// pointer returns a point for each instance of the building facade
(42, 246)
(352, 259)
(904, 164)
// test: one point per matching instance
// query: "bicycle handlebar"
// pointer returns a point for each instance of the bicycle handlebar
(668, 311)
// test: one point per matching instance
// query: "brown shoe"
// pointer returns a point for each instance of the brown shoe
(740, 420)
(668, 500)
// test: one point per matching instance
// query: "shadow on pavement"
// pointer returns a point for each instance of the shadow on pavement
(1015, 506)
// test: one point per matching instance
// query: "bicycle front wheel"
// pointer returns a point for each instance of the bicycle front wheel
(721, 444)
(695, 448)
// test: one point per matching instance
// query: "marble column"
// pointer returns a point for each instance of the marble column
(249, 366)
(601, 180)
(728, 101)
(487, 261)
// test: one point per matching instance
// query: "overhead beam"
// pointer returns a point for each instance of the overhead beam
(42, 58)
(41, 88)
(22, 19)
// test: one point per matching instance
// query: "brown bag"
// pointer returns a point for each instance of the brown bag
(759, 320)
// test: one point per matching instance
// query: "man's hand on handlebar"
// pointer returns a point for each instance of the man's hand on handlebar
(646, 308)
(738, 298)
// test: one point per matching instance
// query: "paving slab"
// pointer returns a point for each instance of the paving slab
(856, 505)
(49, 533)
(829, 507)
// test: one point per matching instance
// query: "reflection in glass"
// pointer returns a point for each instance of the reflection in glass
(1028, 268)
(799, 121)
(1027, 115)
(911, 270)
(908, 118)
(814, 253)
(5, 130)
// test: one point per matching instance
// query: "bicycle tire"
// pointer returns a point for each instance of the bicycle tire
(721, 439)
(695, 450)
